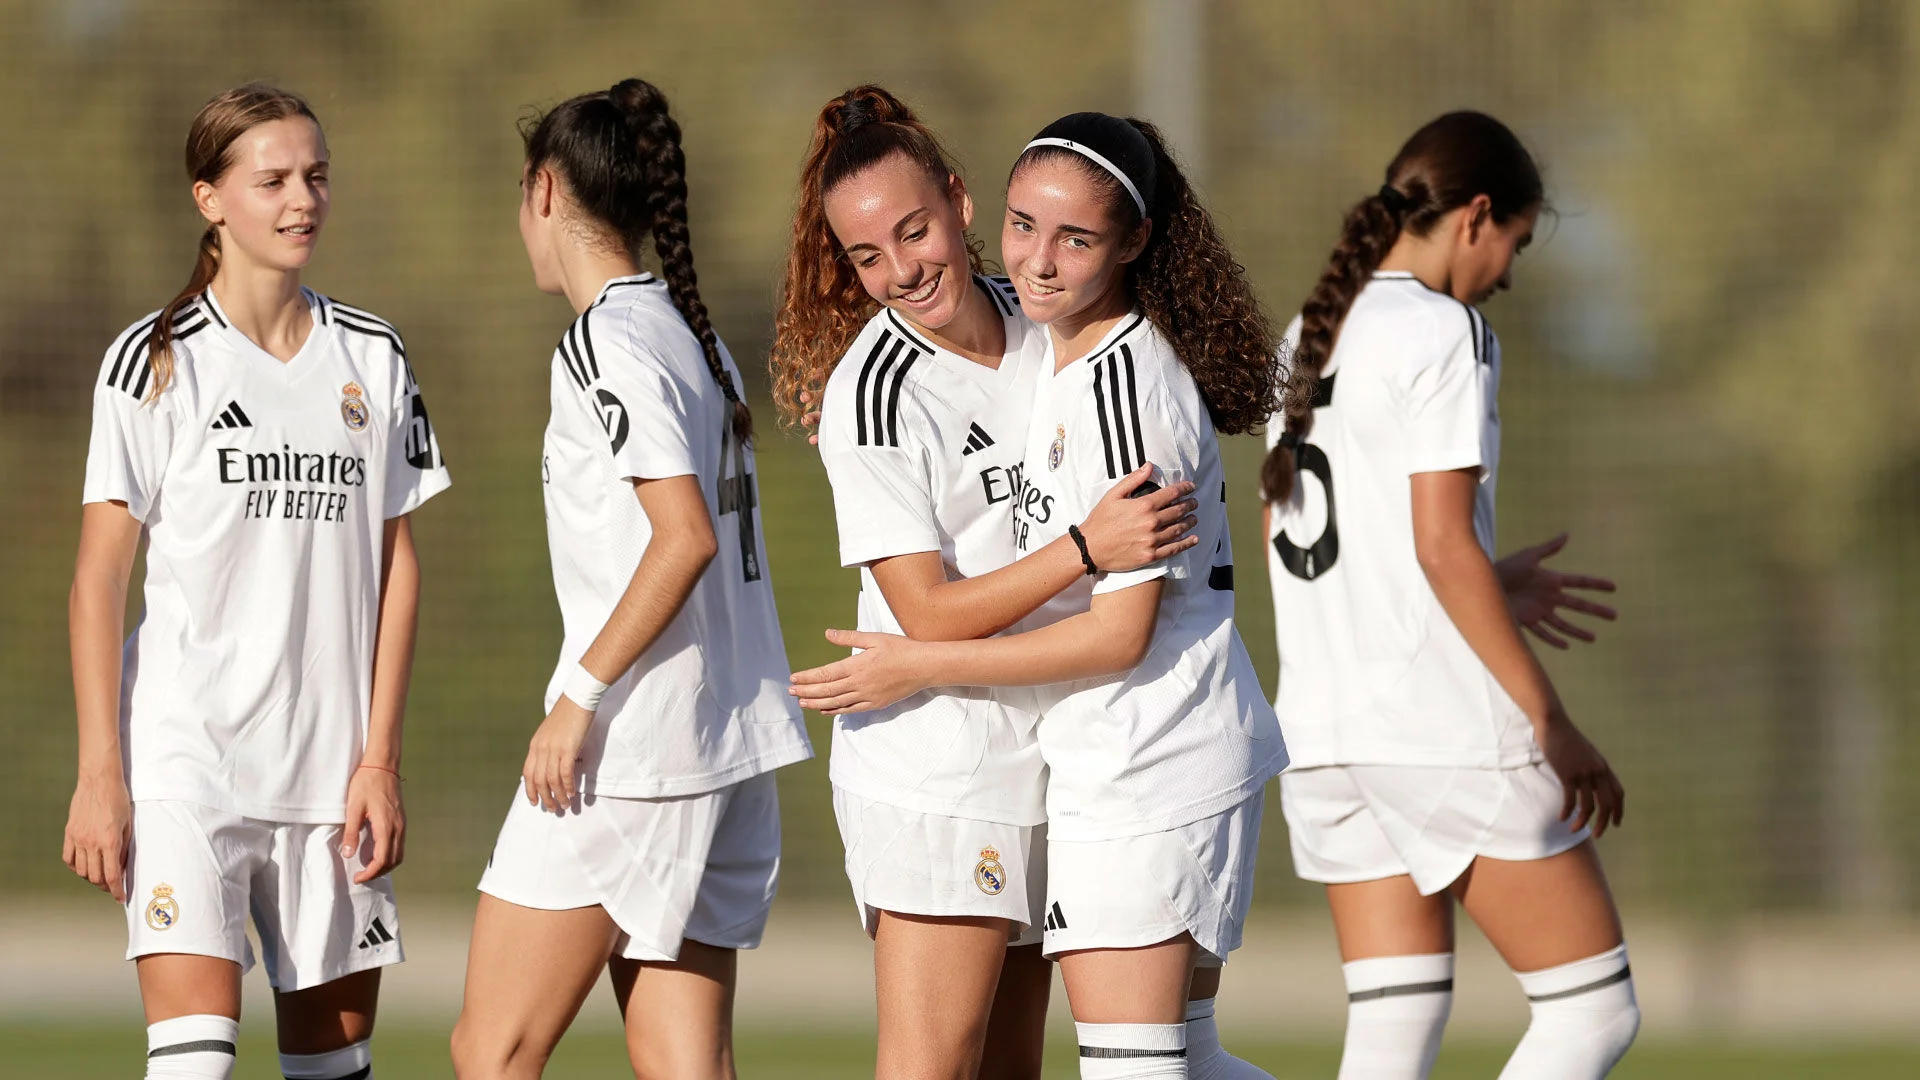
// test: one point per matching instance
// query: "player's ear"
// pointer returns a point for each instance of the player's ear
(1137, 243)
(1478, 217)
(540, 189)
(962, 199)
(206, 199)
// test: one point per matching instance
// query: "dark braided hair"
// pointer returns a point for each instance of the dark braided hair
(619, 151)
(1443, 167)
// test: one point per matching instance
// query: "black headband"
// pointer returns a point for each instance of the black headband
(1114, 145)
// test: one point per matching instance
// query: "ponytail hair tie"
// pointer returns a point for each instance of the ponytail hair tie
(1394, 200)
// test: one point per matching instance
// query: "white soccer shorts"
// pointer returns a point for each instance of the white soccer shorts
(916, 863)
(700, 867)
(195, 873)
(1141, 890)
(1352, 823)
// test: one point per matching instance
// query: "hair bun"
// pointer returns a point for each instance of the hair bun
(867, 104)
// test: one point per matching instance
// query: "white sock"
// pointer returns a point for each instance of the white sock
(1584, 1018)
(347, 1063)
(1132, 1051)
(197, 1047)
(1396, 1011)
(1206, 1058)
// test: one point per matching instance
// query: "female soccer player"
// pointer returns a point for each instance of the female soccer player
(1153, 727)
(940, 798)
(242, 753)
(647, 840)
(1432, 757)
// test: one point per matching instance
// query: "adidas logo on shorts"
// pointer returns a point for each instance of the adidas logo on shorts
(376, 935)
(977, 439)
(1055, 920)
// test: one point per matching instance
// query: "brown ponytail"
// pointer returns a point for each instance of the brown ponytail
(217, 126)
(1443, 167)
(822, 304)
(619, 151)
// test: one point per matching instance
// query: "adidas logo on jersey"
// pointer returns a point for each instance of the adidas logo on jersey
(977, 439)
(232, 417)
(1055, 920)
(376, 935)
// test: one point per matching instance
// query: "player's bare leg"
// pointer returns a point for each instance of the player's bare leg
(1017, 1028)
(1130, 1007)
(679, 1014)
(1397, 951)
(323, 1029)
(1542, 912)
(193, 1013)
(934, 980)
(528, 971)
(1554, 922)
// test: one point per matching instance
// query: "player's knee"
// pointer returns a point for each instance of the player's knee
(482, 1054)
(1585, 1016)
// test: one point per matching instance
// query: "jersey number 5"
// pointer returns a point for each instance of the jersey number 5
(1307, 563)
(736, 495)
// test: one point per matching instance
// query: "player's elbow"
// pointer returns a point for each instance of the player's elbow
(693, 546)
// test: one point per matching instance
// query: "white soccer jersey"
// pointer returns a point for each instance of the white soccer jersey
(263, 487)
(706, 705)
(1372, 671)
(1188, 733)
(922, 446)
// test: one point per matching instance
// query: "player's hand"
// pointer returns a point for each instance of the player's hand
(888, 668)
(811, 419)
(1537, 594)
(1127, 533)
(553, 757)
(1593, 794)
(100, 832)
(375, 807)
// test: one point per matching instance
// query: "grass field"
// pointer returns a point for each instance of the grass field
(85, 1052)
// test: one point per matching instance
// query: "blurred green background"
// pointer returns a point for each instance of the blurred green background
(1709, 381)
(1710, 374)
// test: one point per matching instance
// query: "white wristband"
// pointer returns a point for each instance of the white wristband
(583, 689)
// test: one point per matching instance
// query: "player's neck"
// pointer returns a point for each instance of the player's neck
(265, 305)
(1076, 335)
(1429, 261)
(975, 331)
(585, 270)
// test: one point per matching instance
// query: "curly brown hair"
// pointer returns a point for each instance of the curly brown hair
(1190, 286)
(822, 303)
(1443, 167)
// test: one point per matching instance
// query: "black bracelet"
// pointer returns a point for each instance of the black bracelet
(1080, 541)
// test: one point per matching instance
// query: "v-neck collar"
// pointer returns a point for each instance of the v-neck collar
(1011, 343)
(289, 368)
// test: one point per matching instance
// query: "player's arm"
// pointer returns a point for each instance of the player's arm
(1112, 636)
(1469, 589)
(100, 818)
(679, 551)
(1122, 533)
(373, 792)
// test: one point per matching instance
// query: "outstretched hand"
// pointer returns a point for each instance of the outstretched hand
(1537, 594)
(888, 668)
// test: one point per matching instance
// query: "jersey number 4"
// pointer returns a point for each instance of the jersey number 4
(1307, 563)
(737, 496)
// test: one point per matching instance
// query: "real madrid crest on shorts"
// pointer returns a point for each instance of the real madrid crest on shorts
(352, 409)
(1058, 451)
(163, 910)
(988, 873)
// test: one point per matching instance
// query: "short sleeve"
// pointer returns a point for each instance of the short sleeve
(132, 438)
(883, 495)
(1134, 421)
(415, 470)
(1444, 400)
(646, 416)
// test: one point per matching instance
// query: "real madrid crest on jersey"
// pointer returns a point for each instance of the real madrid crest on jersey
(352, 408)
(1058, 451)
(163, 910)
(989, 874)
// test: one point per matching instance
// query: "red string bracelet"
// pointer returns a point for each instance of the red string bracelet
(383, 768)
